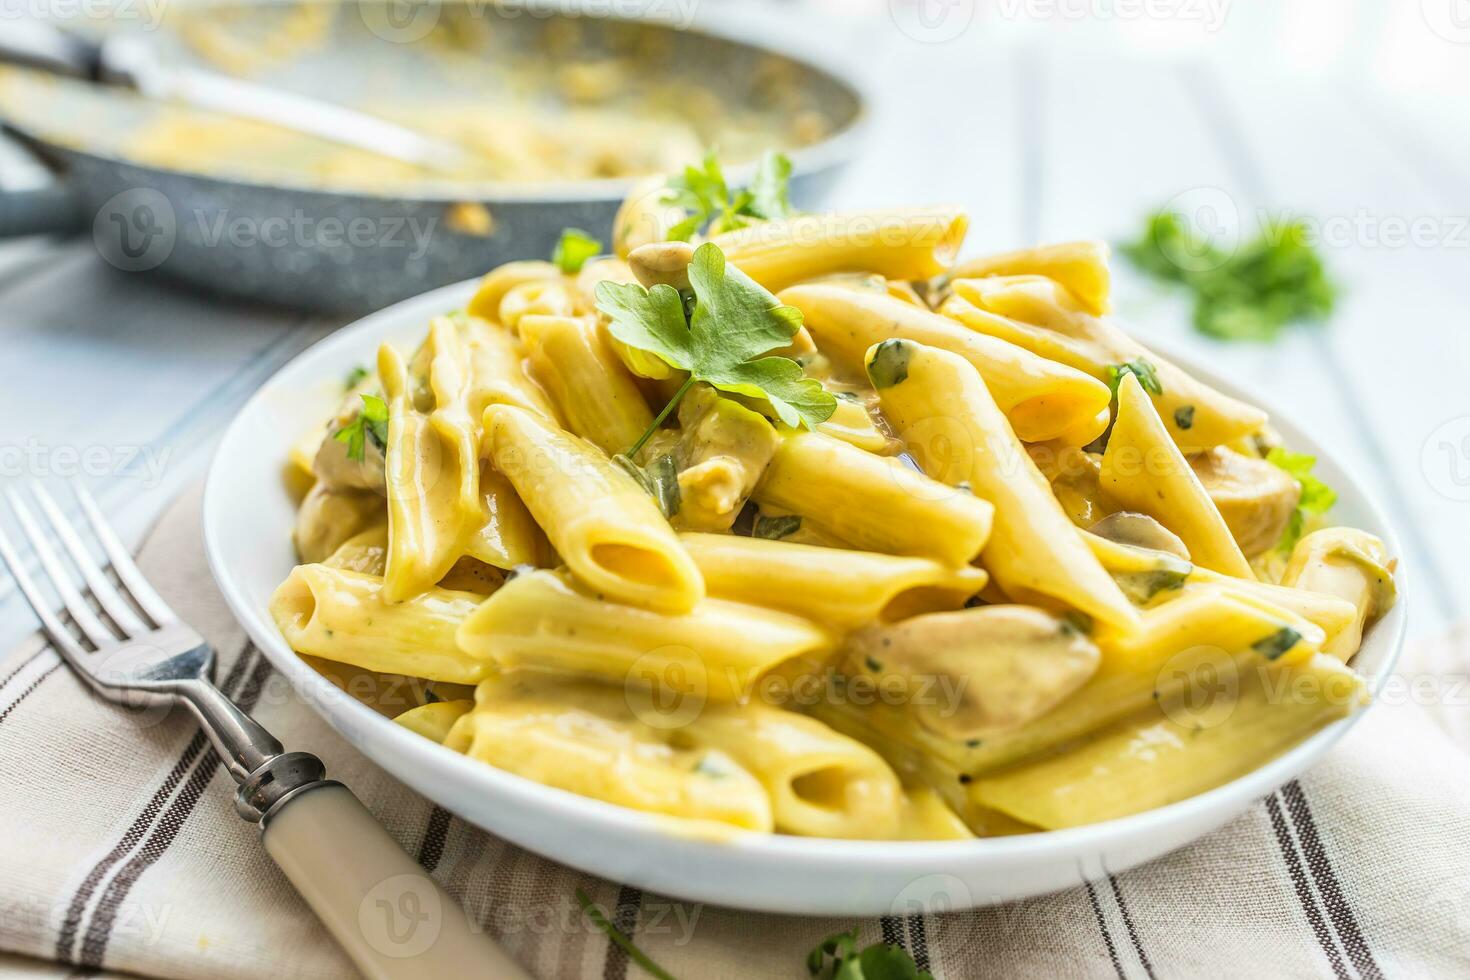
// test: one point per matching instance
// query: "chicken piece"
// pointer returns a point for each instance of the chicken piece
(1256, 498)
(1351, 564)
(723, 453)
(328, 517)
(976, 672)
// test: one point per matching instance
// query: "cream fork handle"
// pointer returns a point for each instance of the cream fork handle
(387, 914)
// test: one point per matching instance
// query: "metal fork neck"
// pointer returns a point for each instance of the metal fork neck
(243, 745)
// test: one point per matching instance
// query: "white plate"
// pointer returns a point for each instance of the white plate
(247, 520)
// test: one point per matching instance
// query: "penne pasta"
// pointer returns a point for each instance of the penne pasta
(1163, 756)
(603, 525)
(1081, 268)
(943, 412)
(717, 650)
(346, 617)
(1043, 317)
(872, 502)
(1144, 471)
(903, 244)
(843, 589)
(485, 304)
(434, 721)
(596, 395)
(1042, 399)
(1351, 565)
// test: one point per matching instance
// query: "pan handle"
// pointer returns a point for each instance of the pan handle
(32, 44)
(48, 210)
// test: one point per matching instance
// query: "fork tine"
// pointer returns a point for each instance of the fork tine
(116, 607)
(65, 643)
(61, 581)
(122, 562)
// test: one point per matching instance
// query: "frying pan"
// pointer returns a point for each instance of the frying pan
(300, 249)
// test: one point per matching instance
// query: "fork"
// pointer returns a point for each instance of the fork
(390, 917)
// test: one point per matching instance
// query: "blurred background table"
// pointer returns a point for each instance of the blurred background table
(1049, 120)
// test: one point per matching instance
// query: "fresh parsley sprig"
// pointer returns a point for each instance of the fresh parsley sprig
(574, 249)
(1317, 497)
(1249, 294)
(838, 958)
(705, 196)
(734, 320)
(371, 423)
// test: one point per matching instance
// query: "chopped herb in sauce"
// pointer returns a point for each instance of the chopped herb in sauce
(1141, 587)
(1184, 417)
(371, 423)
(776, 528)
(1277, 644)
(354, 378)
(659, 479)
(889, 364)
(1142, 369)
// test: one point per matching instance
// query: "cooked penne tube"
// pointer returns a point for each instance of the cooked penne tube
(942, 410)
(1044, 318)
(1079, 267)
(1151, 577)
(1162, 756)
(345, 616)
(596, 395)
(508, 536)
(873, 502)
(432, 464)
(485, 304)
(433, 721)
(900, 244)
(821, 783)
(585, 739)
(1352, 565)
(1042, 399)
(843, 589)
(497, 373)
(926, 816)
(603, 525)
(545, 297)
(1144, 470)
(546, 621)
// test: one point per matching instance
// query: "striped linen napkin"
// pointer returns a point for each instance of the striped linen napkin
(120, 852)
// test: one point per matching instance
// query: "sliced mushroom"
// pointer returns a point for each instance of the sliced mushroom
(975, 672)
(724, 451)
(1140, 531)
(1256, 498)
(1351, 564)
(328, 517)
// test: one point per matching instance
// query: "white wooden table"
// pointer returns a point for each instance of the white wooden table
(1047, 126)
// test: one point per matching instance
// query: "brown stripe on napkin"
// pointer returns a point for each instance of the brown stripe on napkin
(625, 920)
(1303, 889)
(1143, 959)
(166, 831)
(83, 896)
(28, 691)
(1102, 925)
(431, 848)
(1341, 916)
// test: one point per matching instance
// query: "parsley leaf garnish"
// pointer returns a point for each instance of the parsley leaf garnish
(615, 935)
(705, 196)
(1142, 369)
(659, 479)
(1317, 497)
(733, 320)
(574, 249)
(1250, 294)
(371, 423)
(354, 378)
(837, 958)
